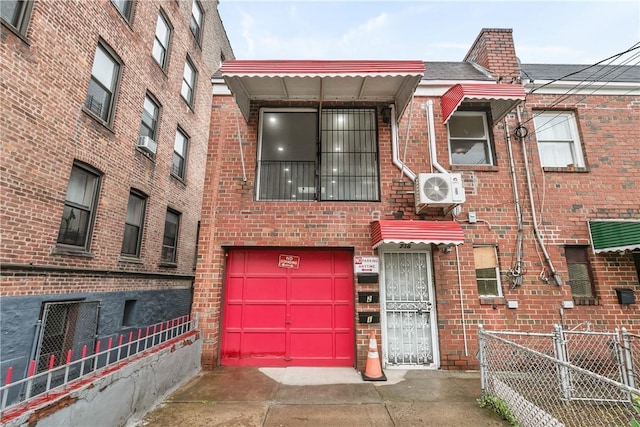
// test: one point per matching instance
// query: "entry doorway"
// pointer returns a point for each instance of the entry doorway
(409, 321)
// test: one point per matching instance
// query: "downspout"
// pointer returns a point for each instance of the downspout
(395, 148)
(432, 139)
(464, 322)
(516, 270)
(521, 133)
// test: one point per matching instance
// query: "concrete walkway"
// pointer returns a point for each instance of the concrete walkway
(279, 397)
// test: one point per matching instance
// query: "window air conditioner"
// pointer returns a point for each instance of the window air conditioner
(438, 189)
(147, 144)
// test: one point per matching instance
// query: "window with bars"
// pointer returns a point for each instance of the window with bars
(487, 271)
(580, 272)
(337, 163)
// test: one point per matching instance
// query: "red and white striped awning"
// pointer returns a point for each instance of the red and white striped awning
(502, 98)
(436, 232)
(305, 80)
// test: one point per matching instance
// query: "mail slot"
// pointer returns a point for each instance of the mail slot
(369, 297)
(367, 277)
(368, 317)
(625, 296)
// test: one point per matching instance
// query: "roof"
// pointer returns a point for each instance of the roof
(397, 231)
(614, 235)
(332, 80)
(455, 71)
(600, 73)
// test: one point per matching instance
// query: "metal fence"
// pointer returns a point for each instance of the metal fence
(52, 372)
(564, 378)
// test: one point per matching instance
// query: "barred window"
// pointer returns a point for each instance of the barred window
(580, 273)
(339, 163)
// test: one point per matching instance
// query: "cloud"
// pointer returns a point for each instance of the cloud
(247, 23)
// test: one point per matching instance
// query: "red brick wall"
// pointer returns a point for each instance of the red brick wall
(493, 49)
(44, 129)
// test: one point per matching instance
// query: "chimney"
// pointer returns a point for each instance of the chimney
(493, 50)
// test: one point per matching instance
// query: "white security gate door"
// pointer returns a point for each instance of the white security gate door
(409, 310)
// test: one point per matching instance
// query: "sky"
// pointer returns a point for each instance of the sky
(544, 32)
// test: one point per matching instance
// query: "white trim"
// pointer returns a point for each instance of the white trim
(583, 88)
(575, 135)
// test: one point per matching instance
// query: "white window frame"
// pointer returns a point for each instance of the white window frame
(497, 271)
(487, 138)
(574, 143)
(190, 85)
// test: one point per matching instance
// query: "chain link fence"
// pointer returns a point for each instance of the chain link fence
(564, 378)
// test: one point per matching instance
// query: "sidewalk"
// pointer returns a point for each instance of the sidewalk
(279, 397)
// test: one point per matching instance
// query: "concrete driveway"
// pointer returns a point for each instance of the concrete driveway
(241, 396)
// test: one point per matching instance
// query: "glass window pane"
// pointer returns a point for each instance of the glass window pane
(135, 210)
(553, 127)
(179, 144)
(81, 188)
(162, 31)
(289, 136)
(124, 6)
(104, 69)
(98, 100)
(556, 154)
(186, 91)
(158, 52)
(10, 11)
(466, 152)
(467, 126)
(74, 226)
(130, 240)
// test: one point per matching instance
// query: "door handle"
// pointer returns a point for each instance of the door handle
(420, 311)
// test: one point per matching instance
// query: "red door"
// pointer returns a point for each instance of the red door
(288, 307)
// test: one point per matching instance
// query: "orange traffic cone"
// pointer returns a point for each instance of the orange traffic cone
(373, 370)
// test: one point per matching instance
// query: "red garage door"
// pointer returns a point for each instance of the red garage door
(288, 307)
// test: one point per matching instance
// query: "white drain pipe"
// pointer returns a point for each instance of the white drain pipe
(395, 149)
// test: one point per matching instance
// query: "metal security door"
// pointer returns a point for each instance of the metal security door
(409, 310)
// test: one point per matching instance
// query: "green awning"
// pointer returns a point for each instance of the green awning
(614, 236)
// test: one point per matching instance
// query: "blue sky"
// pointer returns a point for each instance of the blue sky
(562, 32)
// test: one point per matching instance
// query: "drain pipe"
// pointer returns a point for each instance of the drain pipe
(516, 271)
(395, 150)
(521, 133)
(464, 322)
(432, 139)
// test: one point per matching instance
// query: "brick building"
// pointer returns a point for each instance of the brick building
(104, 126)
(314, 232)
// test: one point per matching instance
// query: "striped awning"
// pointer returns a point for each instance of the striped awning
(304, 80)
(436, 232)
(614, 235)
(502, 98)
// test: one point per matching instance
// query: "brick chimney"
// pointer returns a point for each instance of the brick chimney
(493, 49)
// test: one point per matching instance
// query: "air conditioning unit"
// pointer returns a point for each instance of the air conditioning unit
(147, 144)
(438, 189)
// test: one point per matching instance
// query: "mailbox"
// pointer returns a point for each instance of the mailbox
(368, 317)
(368, 297)
(367, 277)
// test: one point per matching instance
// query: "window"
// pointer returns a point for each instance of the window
(195, 25)
(150, 114)
(170, 238)
(102, 87)
(342, 166)
(125, 7)
(188, 82)
(161, 41)
(487, 272)
(129, 313)
(79, 208)
(469, 142)
(180, 154)
(580, 273)
(133, 224)
(16, 14)
(558, 140)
